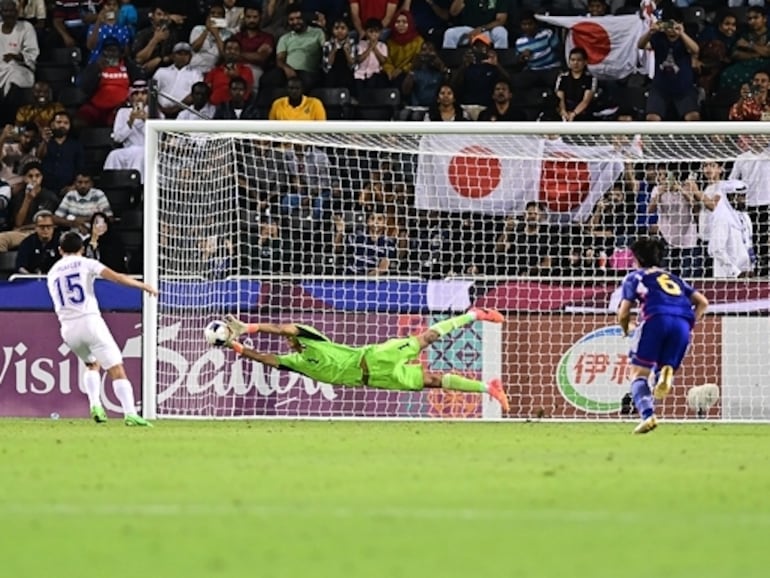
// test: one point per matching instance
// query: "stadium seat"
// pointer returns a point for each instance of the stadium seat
(97, 143)
(7, 264)
(266, 96)
(378, 103)
(56, 75)
(123, 189)
(71, 97)
(452, 57)
(336, 101)
(694, 18)
(65, 57)
(132, 220)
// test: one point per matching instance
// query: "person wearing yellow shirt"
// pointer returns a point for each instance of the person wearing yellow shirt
(296, 106)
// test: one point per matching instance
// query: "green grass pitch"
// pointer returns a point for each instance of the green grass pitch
(346, 499)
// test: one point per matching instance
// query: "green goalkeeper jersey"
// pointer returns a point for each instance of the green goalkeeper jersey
(324, 360)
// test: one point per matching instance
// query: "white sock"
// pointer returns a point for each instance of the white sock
(93, 384)
(125, 394)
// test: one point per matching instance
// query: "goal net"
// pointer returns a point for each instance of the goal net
(374, 231)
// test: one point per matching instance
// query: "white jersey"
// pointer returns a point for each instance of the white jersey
(71, 285)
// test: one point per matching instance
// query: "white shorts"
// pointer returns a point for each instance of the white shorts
(90, 339)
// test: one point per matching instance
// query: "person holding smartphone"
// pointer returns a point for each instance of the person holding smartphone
(673, 86)
(106, 26)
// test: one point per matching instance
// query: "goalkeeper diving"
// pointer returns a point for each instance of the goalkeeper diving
(389, 365)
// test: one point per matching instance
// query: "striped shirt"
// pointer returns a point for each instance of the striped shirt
(84, 206)
(544, 48)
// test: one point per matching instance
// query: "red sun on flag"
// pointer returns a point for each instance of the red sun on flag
(592, 38)
(564, 184)
(474, 172)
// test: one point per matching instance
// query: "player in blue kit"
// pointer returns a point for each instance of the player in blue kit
(669, 308)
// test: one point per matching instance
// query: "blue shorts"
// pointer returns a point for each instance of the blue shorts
(661, 340)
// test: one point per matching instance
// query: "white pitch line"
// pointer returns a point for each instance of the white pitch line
(57, 510)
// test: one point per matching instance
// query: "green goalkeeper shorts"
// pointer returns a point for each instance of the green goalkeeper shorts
(390, 365)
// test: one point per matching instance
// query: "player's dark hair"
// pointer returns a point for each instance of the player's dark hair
(70, 243)
(648, 251)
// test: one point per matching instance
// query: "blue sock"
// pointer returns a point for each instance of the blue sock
(640, 391)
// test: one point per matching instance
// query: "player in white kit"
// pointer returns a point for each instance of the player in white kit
(71, 285)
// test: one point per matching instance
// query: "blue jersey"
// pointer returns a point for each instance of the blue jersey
(659, 293)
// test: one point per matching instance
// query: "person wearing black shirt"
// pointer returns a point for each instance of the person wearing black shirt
(501, 109)
(575, 89)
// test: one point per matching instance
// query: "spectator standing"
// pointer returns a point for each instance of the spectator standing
(673, 85)
(730, 242)
(753, 168)
(675, 203)
(371, 251)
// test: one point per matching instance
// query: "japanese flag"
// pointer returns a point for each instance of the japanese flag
(609, 41)
(500, 174)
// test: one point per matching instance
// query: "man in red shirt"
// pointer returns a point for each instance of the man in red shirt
(106, 82)
(256, 45)
(218, 78)
(363, 10)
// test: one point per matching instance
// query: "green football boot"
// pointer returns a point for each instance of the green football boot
(98, 415)
(135, 420)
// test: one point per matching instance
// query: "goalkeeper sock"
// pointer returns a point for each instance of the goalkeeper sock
(460, 383)
(640, 391)
(447, 325)
(93, 385)
(125, 393)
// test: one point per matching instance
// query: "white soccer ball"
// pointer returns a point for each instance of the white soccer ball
(217, 333)
(701, 398)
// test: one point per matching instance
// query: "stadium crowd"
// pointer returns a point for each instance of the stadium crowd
(76, 79)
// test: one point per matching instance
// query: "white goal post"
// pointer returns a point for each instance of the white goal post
(369, 231)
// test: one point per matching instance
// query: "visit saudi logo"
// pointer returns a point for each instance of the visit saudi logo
(593, 374)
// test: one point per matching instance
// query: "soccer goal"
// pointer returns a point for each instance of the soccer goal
(369, 231)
